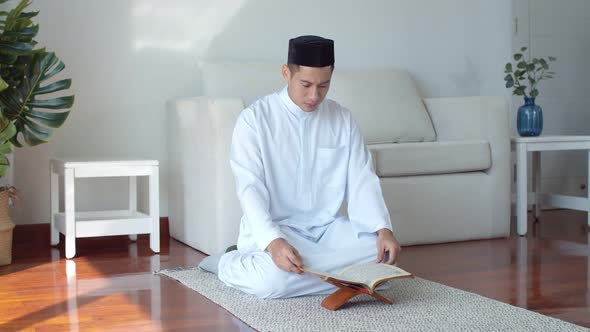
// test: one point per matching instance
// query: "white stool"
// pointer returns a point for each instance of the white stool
(103, 223)
(536, 144)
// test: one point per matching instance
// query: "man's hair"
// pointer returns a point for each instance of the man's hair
(293, 68)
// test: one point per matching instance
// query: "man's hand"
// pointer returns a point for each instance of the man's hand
(285, 256)
(386, 243)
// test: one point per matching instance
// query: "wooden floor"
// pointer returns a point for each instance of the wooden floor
(110, 285)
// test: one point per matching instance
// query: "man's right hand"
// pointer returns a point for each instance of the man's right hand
(285, 256)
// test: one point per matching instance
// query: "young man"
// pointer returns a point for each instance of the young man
(296, 156)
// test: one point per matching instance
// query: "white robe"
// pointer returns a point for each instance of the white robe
(293, 169)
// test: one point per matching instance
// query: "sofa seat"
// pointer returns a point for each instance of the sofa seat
(428, 158)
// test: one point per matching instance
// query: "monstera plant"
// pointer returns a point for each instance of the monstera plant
(28, 116)
(30, 110)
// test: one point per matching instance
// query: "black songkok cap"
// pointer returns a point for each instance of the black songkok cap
(311, 51)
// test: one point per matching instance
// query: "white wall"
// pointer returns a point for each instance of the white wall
(563, 30)
(126, 58)
(560, 29)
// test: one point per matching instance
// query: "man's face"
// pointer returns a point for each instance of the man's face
(308, 86)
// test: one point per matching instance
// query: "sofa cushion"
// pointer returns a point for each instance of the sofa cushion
(406, 159)
(385, 104)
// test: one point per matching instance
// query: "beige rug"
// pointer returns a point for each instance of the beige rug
(420, 305)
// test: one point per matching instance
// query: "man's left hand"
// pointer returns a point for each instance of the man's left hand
(386, 243)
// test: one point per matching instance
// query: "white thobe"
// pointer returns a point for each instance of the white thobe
(293, 169)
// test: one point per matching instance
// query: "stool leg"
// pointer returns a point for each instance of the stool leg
(154, 209)
(521, 189)
(133, 200)
(588, 189)
(70, 213)
(54, 188)
(537, 184)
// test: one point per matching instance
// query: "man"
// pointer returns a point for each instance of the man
(296, 156)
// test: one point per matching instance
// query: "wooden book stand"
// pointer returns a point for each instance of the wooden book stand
(346, 292)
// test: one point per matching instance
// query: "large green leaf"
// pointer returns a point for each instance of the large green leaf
(3, 84)
(36, 118)
(16, 40)
(15, 16)
(29, 14)
(3, 166)
(7, 131)
(6, 148)
(53, 87)
(28, 32)
(13, 47)
(6, 58)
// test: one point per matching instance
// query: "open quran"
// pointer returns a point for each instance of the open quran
(357, 279)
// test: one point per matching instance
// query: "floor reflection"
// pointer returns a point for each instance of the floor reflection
(72, 286)
(521, 272)
(130, 284)
(551, 259)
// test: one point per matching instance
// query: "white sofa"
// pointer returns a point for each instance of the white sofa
(443, 162)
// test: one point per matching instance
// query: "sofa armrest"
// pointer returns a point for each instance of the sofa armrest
(473, 118)
(204, 211)
(481, 118)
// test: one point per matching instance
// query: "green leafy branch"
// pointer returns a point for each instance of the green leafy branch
(524, 71)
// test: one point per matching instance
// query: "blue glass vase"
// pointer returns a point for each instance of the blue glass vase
(529, 121)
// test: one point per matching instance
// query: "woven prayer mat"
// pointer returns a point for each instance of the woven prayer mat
(419, 305)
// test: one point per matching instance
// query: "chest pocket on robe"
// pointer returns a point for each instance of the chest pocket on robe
(331, 165)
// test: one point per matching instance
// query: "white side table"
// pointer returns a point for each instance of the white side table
(103, 223)
(522, 146)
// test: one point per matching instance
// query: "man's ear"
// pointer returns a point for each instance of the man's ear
(286, 73)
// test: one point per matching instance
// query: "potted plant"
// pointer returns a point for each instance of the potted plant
(27, 115)
(529, 121)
